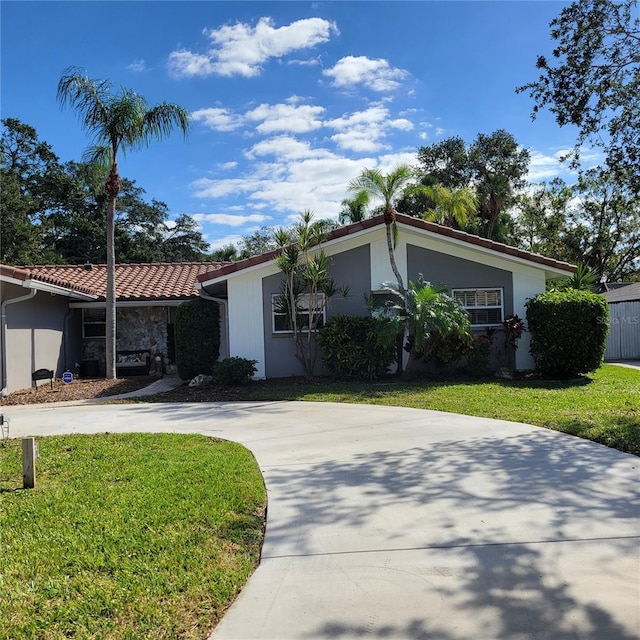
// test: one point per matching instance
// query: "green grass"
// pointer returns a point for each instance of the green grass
(126, 536)
(604, 406)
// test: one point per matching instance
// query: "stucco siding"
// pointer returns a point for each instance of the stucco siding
(34, 338)
(527, 283)
(350, 268)
(458, 273)
(246, 335)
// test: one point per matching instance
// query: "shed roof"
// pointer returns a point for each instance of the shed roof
(622, 292)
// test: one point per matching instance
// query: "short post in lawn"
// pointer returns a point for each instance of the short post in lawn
(29, 455)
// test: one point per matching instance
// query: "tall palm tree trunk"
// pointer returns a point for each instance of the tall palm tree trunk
(113, 187)
(392, 257)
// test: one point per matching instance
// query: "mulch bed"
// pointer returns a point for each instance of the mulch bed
(79, 389)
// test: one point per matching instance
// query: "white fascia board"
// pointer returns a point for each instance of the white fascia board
(57, 290)
(472, 252)
(129, 303)
(268, 267)
(9, 280)
(332, 247)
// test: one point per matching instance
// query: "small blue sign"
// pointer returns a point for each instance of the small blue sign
(67, 377)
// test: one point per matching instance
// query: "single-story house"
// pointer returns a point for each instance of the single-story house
(491, 279)
(623, 341)
(54, 317)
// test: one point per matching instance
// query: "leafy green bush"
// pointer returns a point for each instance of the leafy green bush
(234, 370)
(358, 347)
(568, 332)
(197, 335)
(446, 350)
(479, 356)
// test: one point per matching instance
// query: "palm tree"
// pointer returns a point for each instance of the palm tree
(119, 122)
(451, 205)
(421, 311)
(354, 209)
(387, 188)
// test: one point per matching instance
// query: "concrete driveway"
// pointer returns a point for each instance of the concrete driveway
(400, 523)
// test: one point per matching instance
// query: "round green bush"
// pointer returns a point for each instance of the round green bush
(234, 370)
(568, 332)
(197, 333)
(358, 347)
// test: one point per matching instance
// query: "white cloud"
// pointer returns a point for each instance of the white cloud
(218, 119)
(361, 131)
(377, 74)
(359, 140)
(218, 243)
(231, 220)
(211, 188)
(137, 66)
(286, 117)
(286, 148)
(227, 166)
(401, 123)
(241, 49)
(543, 166)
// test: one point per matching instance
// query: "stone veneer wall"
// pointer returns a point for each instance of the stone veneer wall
(143, 328)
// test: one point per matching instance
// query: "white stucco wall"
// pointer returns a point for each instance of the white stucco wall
(527, 283)
(246, 335)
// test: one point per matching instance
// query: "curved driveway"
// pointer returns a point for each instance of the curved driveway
(400, 523)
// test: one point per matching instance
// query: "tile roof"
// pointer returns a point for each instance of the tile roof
(134, 282)
(416, 223)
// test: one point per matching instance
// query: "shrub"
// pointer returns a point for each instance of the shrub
(358, 347)
(444, 351)
(197, 335)
(234, 370)
(479, 356)
(568, 332)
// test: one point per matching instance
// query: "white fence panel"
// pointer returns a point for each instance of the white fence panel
(623, 341)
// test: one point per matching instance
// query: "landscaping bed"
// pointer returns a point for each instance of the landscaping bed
(79, 389)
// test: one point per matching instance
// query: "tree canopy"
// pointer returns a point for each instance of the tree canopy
(592, 81)
(55, 212)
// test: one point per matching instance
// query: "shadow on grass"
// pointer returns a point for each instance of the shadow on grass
(622, 432)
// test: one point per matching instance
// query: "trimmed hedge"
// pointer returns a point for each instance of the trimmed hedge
(358, 346)
(234, 370)
(197, 332)
(568, 332)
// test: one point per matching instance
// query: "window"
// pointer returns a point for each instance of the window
(94, 323)
(280, 316)
(484, 306)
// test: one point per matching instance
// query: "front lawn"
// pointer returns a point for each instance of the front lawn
(604, 406)
(126, 536)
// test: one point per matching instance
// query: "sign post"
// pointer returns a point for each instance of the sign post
(29, 453)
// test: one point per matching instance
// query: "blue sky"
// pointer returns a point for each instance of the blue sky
(289, 100)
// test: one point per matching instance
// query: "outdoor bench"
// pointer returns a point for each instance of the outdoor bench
(42, 374)
(133, 362)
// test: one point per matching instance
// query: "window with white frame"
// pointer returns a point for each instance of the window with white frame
(484, 306)
(94, 323)
(280, 317)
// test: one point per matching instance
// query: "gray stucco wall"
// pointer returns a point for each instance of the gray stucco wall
(35, 331)
(456, 273)
(352, 268)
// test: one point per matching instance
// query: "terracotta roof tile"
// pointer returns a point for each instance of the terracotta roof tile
(417, 223)
(143, 282)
